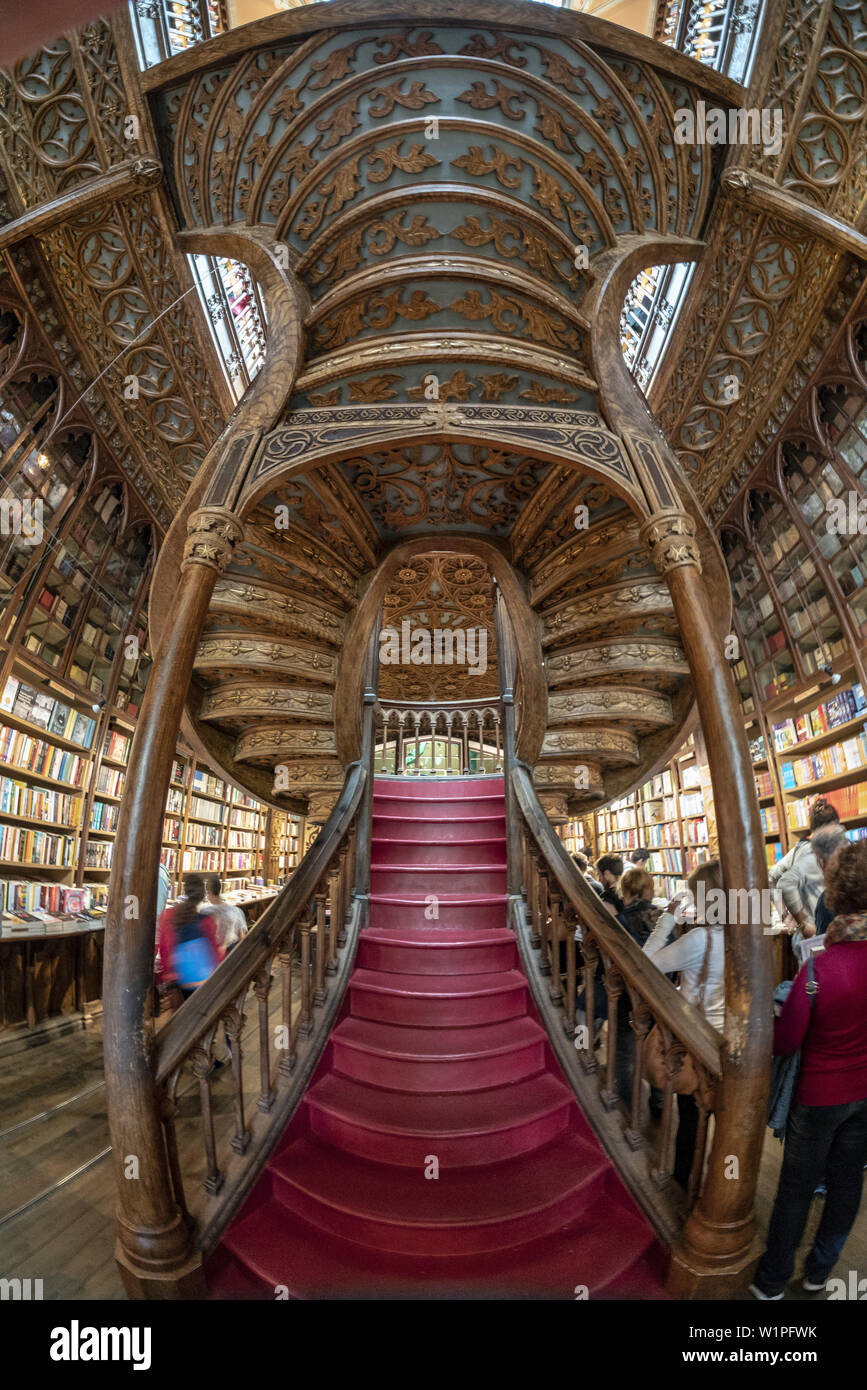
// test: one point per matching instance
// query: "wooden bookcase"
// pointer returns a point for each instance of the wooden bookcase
(666, 815)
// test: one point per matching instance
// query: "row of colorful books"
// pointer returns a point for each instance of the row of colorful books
(207, 783)
(18, 843)
(26, 895)
(202, 860)
(104, 816)
(244, 820)
(242, 839)
(116, 746)
(763, 784)
(46, 713)
(666, 861)
(206, 810)
(842, 707)
(37, 803)
(35, 755)
(695, 830)
(110, 781)
(846, 756)
(849, 802)
(773, 852)
(665, 833)
(770, 820)
(98, 854)
(204, 834)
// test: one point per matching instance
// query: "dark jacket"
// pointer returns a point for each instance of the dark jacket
(611, 895)
(639, 919)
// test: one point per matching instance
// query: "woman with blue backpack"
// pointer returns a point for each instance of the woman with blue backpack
(188, 947)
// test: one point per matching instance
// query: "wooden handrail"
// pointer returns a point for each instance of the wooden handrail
(666, 1003)
(205, 1008)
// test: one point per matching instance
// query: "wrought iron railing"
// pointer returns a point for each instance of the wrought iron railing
(719, 33)
(236, 316)
(456, 738)
(165, 27)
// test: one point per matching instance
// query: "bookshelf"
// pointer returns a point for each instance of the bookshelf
(800, 585)
(666, 815)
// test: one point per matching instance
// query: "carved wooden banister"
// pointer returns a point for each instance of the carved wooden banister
(555, 901)
(300, 954)
(256, 948)
(666, 1003)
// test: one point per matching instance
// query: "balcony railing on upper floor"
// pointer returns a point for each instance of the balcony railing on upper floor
(719, 33)
(165, 27)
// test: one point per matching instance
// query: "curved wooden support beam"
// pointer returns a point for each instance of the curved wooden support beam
(718, 1243)
(348, 699)
(759, 192)
(154, 1248)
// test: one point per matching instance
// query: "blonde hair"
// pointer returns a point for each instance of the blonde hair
(634, 882)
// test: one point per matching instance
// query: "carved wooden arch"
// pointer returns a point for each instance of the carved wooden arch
(350, 674)
(315, 438)
(218, 480)
(625, 406)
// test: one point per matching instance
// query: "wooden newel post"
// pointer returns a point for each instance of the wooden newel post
(153, 1249)
(718, 1244)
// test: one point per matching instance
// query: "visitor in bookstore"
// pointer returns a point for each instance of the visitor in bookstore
(584, 868)
(798, 875)
(826, 1133)
(230, 922)
(825, 842)
(638, 858)
(188, 947)
(610, 870)
(638, 916)
(699, 957)
(164, 889)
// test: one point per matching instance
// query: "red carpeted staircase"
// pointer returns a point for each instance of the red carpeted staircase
(438, 1065)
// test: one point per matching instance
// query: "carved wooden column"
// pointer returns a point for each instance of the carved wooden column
(153, 1249)
(717, 1246)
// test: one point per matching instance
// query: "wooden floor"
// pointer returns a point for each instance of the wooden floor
(57, 1202)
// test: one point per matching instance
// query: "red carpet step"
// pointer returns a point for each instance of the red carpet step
(438, 1066)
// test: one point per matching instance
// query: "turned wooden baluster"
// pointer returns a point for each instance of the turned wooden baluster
(343, 870)
(290, 1055)
(542, 912)
(555, 989)
(168, 1110)
(262, 989)
(613, 982)
(695, 1173)
(499, 763)
(465, 743)
(642, 1021)
(203, 1066)
(661, 1172)
(333, 917)
(305, 1022)
(532, 897)
(233, 1022)
(350, 878)
(320, 992)
(571, 1001)
(590, 955)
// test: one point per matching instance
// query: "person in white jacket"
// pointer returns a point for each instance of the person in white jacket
(699, 957)
(799, 876)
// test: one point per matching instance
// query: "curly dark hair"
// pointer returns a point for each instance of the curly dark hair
(822, 813)
(846, 878)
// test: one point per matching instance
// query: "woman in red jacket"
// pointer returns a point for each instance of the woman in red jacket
(187, 942)
(826, 1136)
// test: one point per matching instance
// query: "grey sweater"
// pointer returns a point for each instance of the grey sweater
(799, 879)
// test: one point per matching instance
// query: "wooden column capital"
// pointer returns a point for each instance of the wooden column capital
(212, 534)
(671, 539)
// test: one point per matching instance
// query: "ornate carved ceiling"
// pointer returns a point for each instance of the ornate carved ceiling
(442, 591)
